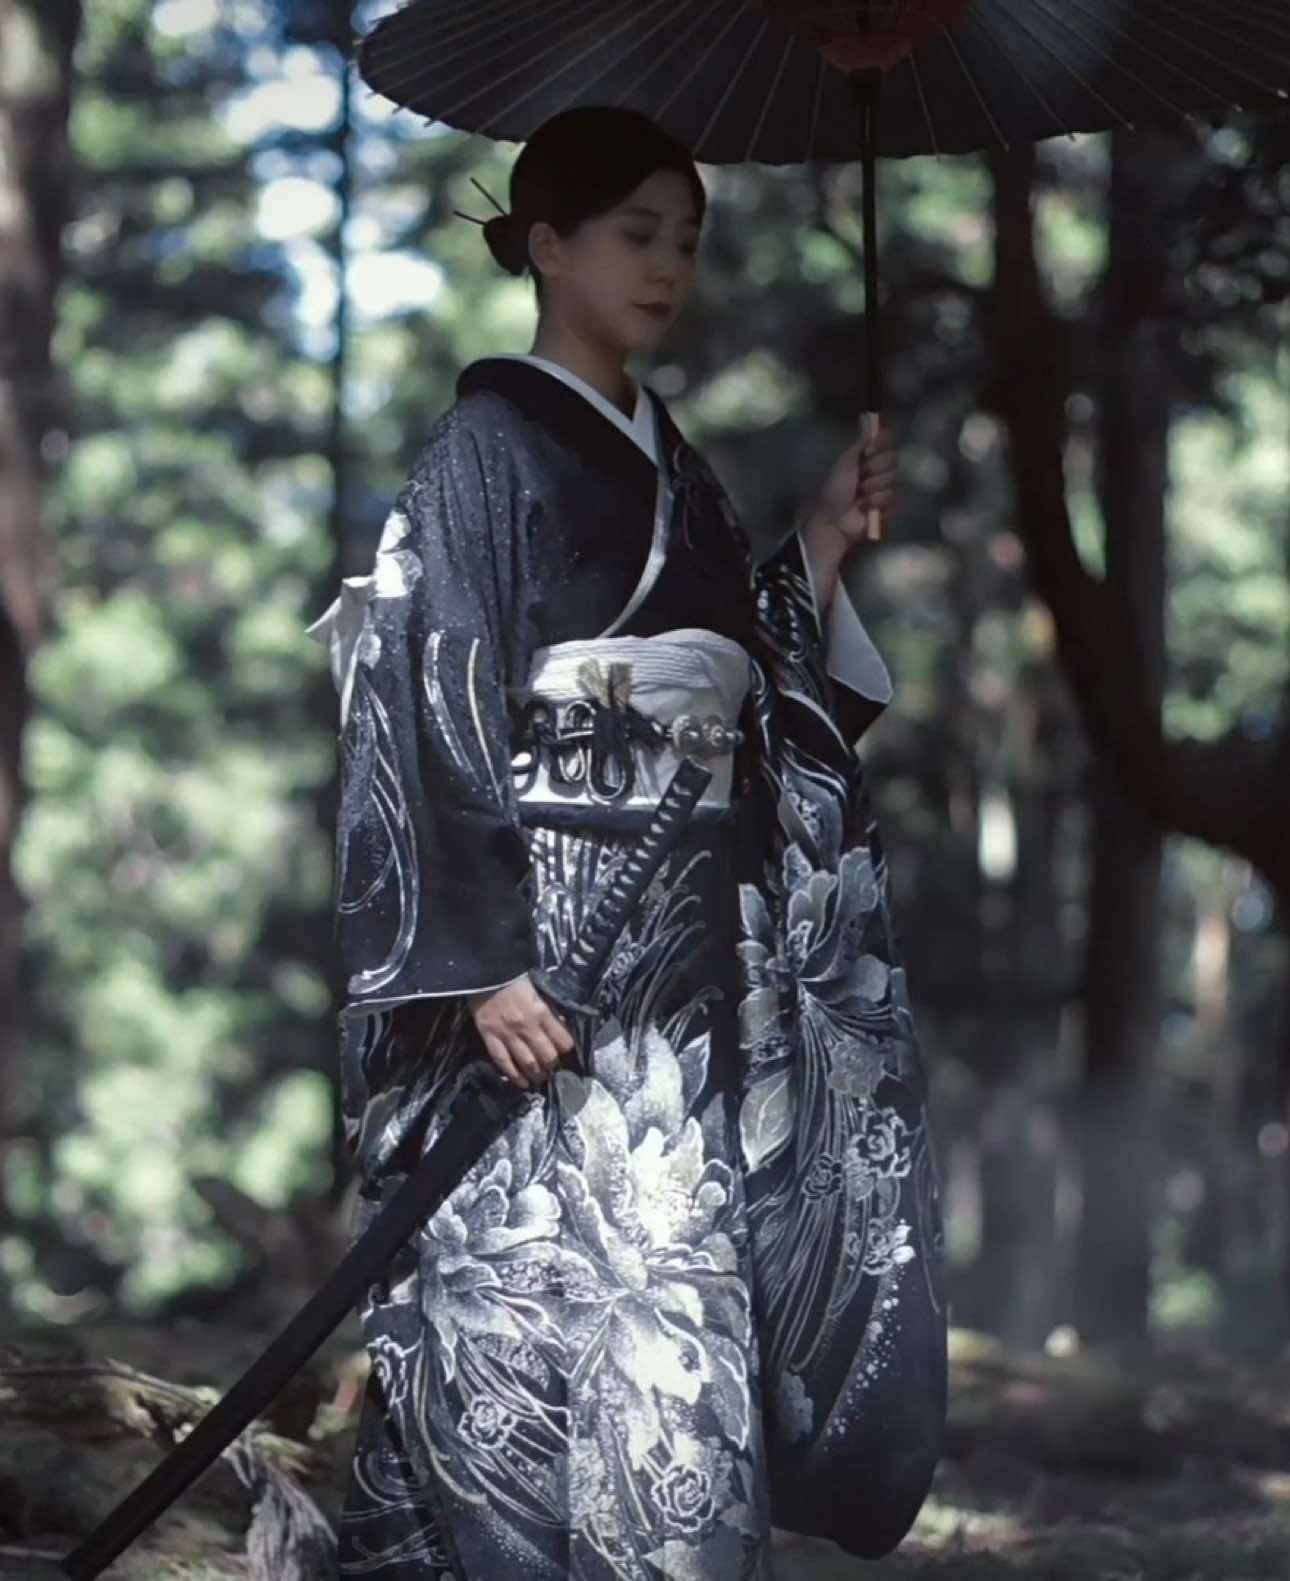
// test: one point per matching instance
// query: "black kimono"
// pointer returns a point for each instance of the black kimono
(696, 1287)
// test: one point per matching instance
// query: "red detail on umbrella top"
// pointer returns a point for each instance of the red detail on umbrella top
(860, 35)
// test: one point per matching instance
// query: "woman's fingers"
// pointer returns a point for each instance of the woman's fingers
(877, 476)
(879, 453)
(544, 1031)
(878, 461)
(500, 1056)
(524, 1037)
(541, 1053)
(559, 1034)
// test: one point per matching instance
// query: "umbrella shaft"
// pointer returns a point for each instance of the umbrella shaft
(868, 87)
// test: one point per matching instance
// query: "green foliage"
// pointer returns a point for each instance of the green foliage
(175, 850)
(1229, 613)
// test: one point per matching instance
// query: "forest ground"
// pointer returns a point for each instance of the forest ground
(1172, 1465)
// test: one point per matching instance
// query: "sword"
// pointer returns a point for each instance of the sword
(476, 1118)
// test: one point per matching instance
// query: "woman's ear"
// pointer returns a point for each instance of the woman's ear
(546, 249)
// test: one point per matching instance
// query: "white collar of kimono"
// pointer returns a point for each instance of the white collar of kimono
(640, 426)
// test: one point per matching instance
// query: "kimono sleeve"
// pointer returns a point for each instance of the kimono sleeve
(432, 872)
(831, 660)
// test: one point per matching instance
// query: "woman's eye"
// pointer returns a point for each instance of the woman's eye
(647, 239)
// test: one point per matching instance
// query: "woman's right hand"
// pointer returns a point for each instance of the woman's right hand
(524, 1037)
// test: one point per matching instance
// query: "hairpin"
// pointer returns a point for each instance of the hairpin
(479, 186)
(474, 220)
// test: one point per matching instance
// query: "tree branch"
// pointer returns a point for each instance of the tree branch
(1224, 792)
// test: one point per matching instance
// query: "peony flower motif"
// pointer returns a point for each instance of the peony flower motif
(826, 1176)
(815, 994)
(766, 1027)
(887, 1247)
(857, 1065)
(883, 1146)
(683, 1495)
(817, 964)
(820, 992)
(657, 1219)
(486, 1423)
(493, 1249)
(701, 1502)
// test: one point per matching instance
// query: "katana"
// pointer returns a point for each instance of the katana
(477, 1116)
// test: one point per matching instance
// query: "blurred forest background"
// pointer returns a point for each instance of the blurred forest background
(233, 297)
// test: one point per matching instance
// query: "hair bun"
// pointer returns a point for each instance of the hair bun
(508, 241)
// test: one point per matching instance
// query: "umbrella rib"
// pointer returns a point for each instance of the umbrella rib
(387, 41)
(1205, 54)
(1005, 52)
(1113, 60)
(922, 102)
(698, 65)
(751, 152)
(400, 80)
(695, 23)
(1170, 65)
(976, 88)
(389, 34)
(626, 9)
(1272, 16)
(815, 108)
(651, 5)
(732, 84)
(1070, 70)
(657, 110)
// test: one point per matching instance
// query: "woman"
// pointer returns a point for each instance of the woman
(695, 1287)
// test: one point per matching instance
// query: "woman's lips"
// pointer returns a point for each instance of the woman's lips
(658, 310)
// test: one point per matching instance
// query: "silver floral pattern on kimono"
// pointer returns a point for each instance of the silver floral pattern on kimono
(696, 1287)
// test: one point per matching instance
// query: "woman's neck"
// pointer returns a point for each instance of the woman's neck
(601, 368)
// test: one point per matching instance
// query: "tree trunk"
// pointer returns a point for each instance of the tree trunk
(1110, 634)
(1228, 791)
(1021, 1139)
(36, 43)
(338, 456)
(1121, 997)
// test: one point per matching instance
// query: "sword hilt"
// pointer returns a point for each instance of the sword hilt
(573, 980)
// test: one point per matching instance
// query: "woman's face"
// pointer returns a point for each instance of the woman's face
(622, 278)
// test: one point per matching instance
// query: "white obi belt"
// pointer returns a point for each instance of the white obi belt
(603, 724)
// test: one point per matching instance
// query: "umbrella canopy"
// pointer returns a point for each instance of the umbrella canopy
(774, 80)
(787, 81)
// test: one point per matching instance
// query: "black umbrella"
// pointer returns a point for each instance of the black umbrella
(787, 81)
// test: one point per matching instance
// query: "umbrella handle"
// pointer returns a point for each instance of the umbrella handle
(868, 92)
(870, 422)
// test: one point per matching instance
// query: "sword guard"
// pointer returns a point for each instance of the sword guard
(560, 1000)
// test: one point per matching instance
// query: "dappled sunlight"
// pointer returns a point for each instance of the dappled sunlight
(257, 311)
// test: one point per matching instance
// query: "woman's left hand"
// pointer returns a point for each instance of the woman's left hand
(863, 479)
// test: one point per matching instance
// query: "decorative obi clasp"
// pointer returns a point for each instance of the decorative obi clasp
(602, 724)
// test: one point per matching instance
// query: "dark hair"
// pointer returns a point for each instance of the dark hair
(578, 165)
